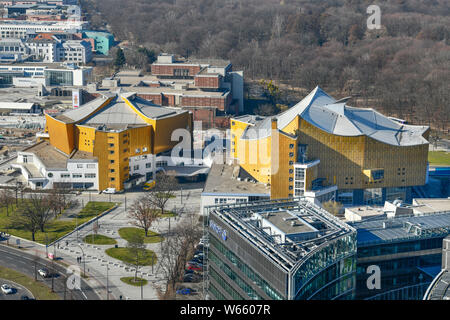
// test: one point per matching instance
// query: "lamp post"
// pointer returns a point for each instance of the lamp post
(107, 280)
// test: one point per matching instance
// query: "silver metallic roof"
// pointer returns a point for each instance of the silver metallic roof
(335, 117)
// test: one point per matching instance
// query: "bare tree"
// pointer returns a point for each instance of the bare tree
(143, 212)
(333, 207)
(163, 191)
(176, 250)
(6, 199)
(34, 213)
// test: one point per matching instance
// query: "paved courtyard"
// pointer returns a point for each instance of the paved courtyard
(103, 268)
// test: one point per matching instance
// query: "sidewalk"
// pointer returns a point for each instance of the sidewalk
(97, 261)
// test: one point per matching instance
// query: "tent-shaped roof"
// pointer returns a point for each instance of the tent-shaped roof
(336, 117)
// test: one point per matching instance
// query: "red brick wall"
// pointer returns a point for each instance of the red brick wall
(155, 98)
(220, 103)
(167, 70)
(207, 82)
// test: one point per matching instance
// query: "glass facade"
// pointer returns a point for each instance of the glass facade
(59, 78)
(225, 285)
(318, 262)
(245, 269)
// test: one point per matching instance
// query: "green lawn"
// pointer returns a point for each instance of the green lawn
(132, 282)
(439, 158)
(39, 290)
(124, 254)
(153, 237)
(99, 239)
(56, 228)
(168, 214)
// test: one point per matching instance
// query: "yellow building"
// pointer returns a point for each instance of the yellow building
(324, 149)
(122, 132)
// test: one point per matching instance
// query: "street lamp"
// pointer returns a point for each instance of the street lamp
(107, 281)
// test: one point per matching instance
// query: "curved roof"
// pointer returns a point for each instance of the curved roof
(336, 117)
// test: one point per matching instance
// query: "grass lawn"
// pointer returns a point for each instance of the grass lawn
(439, 158)
(99, 239)
(124, 254)
(131, 282)
(57, 228)
(153, 237)
(39, 290)
(168, 214)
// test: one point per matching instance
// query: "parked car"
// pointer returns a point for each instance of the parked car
(109, 190)
(185, 291)
(190, 262)
(200, 255)
(192, 278)
(6, 289)
(44, 272)
(194, 267)
(197, 260)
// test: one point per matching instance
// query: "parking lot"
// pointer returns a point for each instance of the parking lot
(18, 292)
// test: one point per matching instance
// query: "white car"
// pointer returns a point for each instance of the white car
(109, 191)
(6, 289)
(44, 272)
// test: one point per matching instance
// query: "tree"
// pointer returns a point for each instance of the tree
(137, 251)
(163, 191)
(34, 213)
(175, 251)
(120, 60)
(332, 207)
(144, 213)
(6, 199)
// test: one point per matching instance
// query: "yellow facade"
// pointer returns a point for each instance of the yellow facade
(344, 160)
(113, 149)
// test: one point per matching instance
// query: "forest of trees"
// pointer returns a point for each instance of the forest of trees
(403, 69)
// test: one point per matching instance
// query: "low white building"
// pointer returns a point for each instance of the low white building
(44, 167)
(75, 51)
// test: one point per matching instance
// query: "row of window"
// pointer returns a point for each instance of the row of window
(245, 269)
(76, 175)
(229, 200)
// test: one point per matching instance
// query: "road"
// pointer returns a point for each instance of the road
(24, 263)
(18, 291)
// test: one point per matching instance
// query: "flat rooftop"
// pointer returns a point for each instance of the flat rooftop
(366, 211)
(245, 219)
(288, 223)
(399, 229)
(425, 205)
(222, 180)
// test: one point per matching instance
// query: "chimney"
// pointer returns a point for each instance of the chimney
(274, 123)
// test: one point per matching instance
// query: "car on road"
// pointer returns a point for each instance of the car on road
(109, 190)
(6, 289)
(44, 272)
(196, 263)
(149, 185)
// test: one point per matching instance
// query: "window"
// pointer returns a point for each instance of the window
(144, 149)
(112, 179)
(90, 175)
(112, 170)
(111, 152)
(111, 161)
(65, 175)
(291, 146)
(79, 166)
(138, 150)
(90, 166)
(77, 175)
(291, 154)
(136, 167)
(148, 165)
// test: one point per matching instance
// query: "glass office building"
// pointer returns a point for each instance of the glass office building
(278, 250)
(408, 251)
